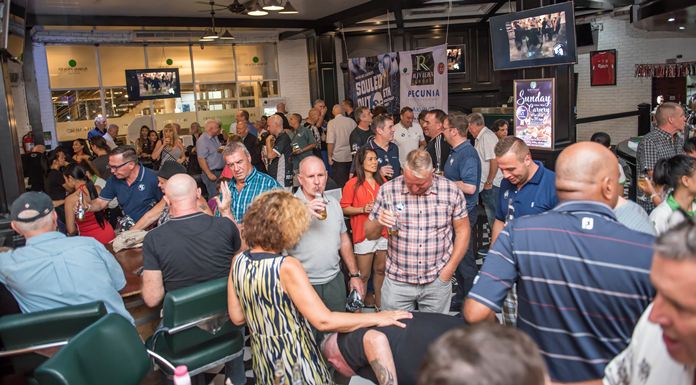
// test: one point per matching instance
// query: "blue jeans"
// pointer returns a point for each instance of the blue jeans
(211, 185)
(466, 270)
(490, 203)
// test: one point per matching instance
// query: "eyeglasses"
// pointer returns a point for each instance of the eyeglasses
(114, 168)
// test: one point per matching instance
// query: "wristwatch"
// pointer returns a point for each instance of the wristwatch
(356, 275)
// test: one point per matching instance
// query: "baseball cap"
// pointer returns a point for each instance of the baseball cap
(170, 168)
(31, 206)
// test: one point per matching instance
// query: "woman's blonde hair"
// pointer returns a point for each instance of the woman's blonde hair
(170, 127)
(275, 221)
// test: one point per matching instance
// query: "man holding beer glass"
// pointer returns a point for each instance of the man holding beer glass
(424, 211)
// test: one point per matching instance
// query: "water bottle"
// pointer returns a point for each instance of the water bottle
(181, 376)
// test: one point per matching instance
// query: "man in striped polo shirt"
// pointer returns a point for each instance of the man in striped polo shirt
(582, 277)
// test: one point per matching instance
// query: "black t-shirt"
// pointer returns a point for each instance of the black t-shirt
(191, 249)
(54, 185)
(280, 167)
(358, 138)
(409, 345)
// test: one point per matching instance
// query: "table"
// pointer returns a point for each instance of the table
(131, 260)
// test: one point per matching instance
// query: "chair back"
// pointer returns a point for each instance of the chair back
(109, 352)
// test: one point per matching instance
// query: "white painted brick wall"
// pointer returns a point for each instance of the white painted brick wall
(632, 46)
(42, 83)
(294, 75)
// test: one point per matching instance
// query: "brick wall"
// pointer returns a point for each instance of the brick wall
(294, 75)
(632, 46)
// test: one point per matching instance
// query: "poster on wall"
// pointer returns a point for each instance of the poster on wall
(374, 81)
(603, 68)
(534, 112)
(424, 78)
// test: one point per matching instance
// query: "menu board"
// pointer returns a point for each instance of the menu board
(534, 112)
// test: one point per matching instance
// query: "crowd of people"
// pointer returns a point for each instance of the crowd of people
(304, 216)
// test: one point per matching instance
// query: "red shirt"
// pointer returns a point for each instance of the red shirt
(364, 195)
(603, 68)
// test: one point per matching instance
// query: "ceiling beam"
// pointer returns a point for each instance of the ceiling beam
(146, 21)
(493, 10)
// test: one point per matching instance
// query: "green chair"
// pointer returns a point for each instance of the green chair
(24, 334)
(196, 330)
(109, 352)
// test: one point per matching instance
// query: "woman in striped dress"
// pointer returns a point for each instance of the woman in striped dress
(272, 295)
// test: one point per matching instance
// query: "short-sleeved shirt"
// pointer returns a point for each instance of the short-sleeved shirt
(191, 249)
(388, 157)
(439, 151)
(359, 138)
(634, 217)
(464, 165)
(536, 196)
(485, 146)
(352, 197)
(135, 200)
(319, 245)
(280, 167)
(583, 280)
(303, 137)
(655, 145)
(207, 148)
(408, 345)
(54, 185)
(338, 132)
(95, 132)
(407, 139)
(255, 184)
(424, 242)
(667, 215)
(53, 271)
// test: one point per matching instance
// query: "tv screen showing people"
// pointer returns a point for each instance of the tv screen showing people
(153, 84)
(536, 37)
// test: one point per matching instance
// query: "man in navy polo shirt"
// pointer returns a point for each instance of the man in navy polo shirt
(387, 152)
(582, 277)
(135, 186)
(527, 188)
(463, 167)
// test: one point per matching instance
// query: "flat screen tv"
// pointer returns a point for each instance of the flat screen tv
(157, 83)
(536, 37)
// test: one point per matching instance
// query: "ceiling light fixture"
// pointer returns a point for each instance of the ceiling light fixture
(682, 27)
(227, 36)
(289, 9)
(256, 10)
(210, 33)
(273, 5)
(671, 19)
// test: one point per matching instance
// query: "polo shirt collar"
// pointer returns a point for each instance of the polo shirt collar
(44, 237)
(589, 206)
(300, 194)
(141, 173)
(460, 146)
(536, 178)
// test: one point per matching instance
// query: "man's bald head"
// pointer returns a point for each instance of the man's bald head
(587, 171)
(181, 191)
(337, 110)
(312, 176)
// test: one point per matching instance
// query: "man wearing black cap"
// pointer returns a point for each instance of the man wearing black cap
(52, 270)
(160, 213)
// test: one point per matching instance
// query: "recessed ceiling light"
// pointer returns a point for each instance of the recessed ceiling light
(671, 19)
(369, 30)
(682, 28)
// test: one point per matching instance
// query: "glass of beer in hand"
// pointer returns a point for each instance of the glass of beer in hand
(322, 213)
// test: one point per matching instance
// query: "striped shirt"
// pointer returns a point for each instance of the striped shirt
(423, 244)
(582, 282)
(254, 184)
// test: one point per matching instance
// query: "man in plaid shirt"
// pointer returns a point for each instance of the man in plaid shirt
(664, 141)
(427, 218)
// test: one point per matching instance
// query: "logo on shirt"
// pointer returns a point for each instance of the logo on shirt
(587, 223)
(451, 161)
(505, 195)
(141, 187)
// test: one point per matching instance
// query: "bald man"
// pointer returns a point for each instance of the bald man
(338, 145)
(582, 277)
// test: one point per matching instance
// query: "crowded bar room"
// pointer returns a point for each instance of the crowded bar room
(349, 192)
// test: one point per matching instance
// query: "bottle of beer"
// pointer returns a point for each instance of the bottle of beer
(80, 212)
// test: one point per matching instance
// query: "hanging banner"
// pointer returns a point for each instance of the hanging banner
(534, 112)
(424, 78)
(374, 81)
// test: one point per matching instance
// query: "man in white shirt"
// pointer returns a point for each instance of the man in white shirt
(663, 345)
(490, 173)
(111, 134)
(338, 145)
(408, 135)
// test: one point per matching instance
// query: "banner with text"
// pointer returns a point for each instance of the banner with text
(424, 78)
(534, 112)
(374, 81)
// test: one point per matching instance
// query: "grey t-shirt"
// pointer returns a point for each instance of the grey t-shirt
(338, 133)
(318, 247)
(632, 215)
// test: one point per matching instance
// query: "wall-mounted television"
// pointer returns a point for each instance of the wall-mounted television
(456, 59)
(536, 37)
(157, 83)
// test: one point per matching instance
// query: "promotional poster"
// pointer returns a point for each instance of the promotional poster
(374, 81)
(424, 78)
(534, 112)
